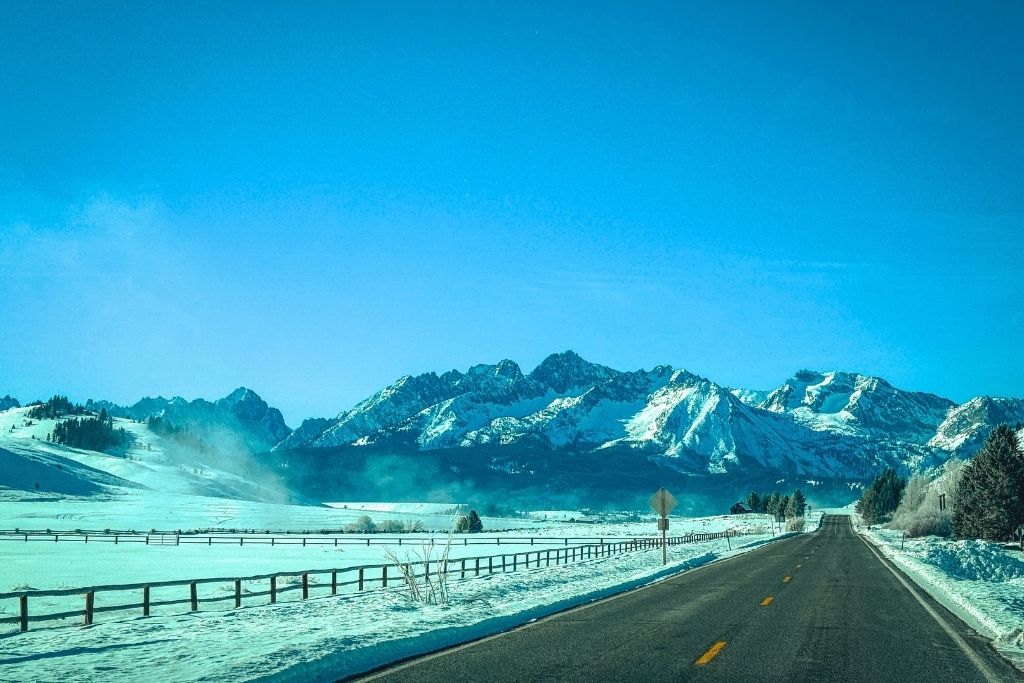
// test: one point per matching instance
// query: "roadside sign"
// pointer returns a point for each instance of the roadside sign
(663, 502)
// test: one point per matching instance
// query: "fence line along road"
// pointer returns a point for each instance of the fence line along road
(331, 539)
(360, 578)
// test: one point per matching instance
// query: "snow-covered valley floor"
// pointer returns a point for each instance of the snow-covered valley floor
(327, 638)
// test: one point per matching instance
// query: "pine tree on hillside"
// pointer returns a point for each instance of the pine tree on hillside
(989, 501)
(754, 501)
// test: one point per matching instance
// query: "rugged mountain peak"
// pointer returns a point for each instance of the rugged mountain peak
(566, 370)
(8, 402)
(239, 395)
(852, 403)
(967, 426)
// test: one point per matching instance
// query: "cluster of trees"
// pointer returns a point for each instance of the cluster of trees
(989, 499)
(920, 512)
(984, 496)
(778, 505)
(881, 499)
(57, 406)
(90, 433)
(469, 524)
(365, 525)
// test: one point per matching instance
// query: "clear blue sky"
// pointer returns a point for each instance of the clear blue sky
(312, 199)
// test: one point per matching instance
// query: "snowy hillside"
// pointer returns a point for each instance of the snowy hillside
(150, 462)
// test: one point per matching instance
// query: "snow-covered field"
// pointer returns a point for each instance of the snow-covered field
(327, 638)
(979, 581)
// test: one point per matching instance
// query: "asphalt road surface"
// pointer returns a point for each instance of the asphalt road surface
(816, 607)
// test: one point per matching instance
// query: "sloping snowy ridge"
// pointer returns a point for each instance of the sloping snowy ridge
(326, 639)
(980, 582)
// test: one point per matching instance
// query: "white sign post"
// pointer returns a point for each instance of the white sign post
(663, 502)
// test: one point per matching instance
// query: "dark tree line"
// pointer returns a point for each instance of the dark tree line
(57, 406)
(90, 433)
(778, 505)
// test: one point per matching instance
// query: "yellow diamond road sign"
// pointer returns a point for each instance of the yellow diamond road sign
(663, 502)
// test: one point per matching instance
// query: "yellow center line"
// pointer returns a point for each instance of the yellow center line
(710, 654)
(785, 579)
(767, 601)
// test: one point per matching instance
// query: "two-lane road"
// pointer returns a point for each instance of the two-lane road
(815, 607)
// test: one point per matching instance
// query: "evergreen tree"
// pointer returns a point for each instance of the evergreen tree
(799, 503)
(754, 501)
(790, 511)
(476, 525)
(772, 506)
(989, 500)
(783, 506)
(881, 498)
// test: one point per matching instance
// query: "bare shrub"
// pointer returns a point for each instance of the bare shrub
(795, 524)
(425, 577)
(362, 525)
(918, 513)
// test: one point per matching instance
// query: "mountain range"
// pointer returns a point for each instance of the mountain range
(571, 427)
(831, 424)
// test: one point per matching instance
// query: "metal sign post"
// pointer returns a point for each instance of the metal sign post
(663, 503)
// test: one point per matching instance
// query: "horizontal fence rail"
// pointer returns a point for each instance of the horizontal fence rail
(330, 539)
(356, 578)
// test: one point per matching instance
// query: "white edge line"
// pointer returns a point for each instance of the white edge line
(978, 662)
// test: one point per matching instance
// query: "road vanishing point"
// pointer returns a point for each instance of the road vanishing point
(820, 606)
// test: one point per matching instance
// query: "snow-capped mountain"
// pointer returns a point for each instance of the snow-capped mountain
(857, 404)
(241, 413)
(831, 424)
(967, 426)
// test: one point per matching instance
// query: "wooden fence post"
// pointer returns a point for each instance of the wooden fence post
(273, 589)
(238, 593)
(89, 601)
(305, 586)
(360, 578)
(463, 575)
(194, 596)
(23, 609)
(384, 577)
(334, 580)
(145, 601)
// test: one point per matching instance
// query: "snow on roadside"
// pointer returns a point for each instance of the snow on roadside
(325, 639)
(980, 582)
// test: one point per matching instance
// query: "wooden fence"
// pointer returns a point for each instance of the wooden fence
(358, 578)
(241, 539)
